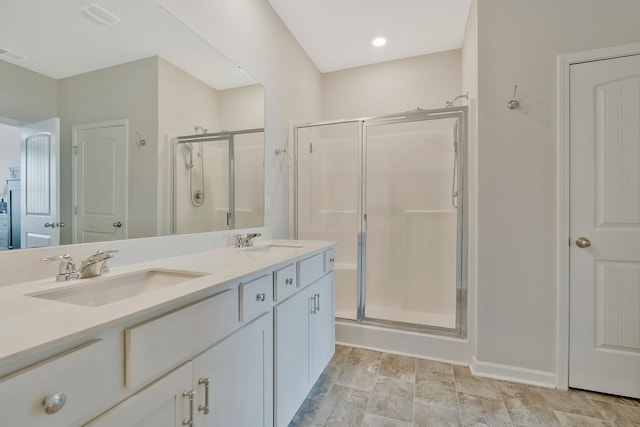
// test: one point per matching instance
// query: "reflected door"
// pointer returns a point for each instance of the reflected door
(328, 200)
(411, 222)
(100, 182)
(40, 184)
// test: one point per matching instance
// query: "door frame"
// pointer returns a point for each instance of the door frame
(74, 171)
(563, 171)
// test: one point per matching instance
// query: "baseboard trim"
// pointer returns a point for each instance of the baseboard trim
(513, 373)
(423, 346)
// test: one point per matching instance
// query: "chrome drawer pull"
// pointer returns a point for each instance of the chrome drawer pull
(189, 394)
(205, 408)
(54, 402)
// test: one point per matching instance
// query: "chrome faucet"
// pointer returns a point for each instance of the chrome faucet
(245, 241)
(67, 268)
(96, 264)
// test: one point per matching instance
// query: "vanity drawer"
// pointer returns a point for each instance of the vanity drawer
(82, 374)
(329, 260)
(310, 270)
(285, 282)
(156, 346)
(255, 298)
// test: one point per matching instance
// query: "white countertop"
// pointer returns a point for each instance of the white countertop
(31, 325)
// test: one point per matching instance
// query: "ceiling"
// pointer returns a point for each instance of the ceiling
(337, 34)
(58, 41)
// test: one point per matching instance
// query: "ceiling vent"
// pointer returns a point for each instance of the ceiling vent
(11, 56)
(99, 15)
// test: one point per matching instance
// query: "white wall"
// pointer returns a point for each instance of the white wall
(26, 96)
(252, 36)
(518, 42)
(241, 108)
(426, 81)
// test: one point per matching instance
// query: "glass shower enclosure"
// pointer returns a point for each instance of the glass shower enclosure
(218, 181)
(390, 191)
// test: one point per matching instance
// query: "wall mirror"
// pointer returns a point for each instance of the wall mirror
(117, 121)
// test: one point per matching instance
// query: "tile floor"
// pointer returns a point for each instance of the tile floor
(365, 388)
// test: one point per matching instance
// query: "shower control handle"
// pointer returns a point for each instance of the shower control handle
(117, 224)
(583, 242)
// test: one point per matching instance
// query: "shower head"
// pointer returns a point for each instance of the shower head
(449, 104)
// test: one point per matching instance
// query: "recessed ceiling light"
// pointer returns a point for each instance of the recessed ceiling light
(379, 41)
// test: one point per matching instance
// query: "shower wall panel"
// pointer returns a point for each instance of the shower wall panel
(249, 172)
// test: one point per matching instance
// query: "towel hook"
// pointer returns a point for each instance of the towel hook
(513, 104)
(141, 142)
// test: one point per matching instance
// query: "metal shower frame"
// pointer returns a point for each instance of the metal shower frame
(458, 113)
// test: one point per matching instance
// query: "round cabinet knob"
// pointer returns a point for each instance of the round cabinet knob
(583, 242)
(61, 224)
(54, 402)
(50, 224)
(260, 297)
(117, 224)
(289, 281)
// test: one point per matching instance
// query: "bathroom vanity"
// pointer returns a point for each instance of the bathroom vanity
(226, 337)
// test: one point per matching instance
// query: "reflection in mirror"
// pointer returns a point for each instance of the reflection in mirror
(213, 181)
(145, 73)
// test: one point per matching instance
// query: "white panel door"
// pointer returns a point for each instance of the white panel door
(40, 184)
(100, 188)
(605, 226)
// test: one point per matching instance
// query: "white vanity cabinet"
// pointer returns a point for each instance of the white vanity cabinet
(165, 403)
(303, 337)
(233, 379)
(62, 390)
(230, 384)
(242, 352)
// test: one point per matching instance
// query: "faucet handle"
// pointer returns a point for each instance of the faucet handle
(66, 269)
(107, 251)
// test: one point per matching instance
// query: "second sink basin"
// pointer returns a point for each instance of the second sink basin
(102, 291)
(271, 248)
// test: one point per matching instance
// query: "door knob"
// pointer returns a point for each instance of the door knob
(583, 242)
(117, 224)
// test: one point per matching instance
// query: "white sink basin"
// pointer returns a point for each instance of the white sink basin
(106, 290)
(271, 248)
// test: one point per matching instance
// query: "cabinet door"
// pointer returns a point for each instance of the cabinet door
(161, 404)
(291, 330)
(238, 374)
(322, 329)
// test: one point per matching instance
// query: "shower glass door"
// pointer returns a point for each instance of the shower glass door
(411, 222)
(202, 178)
(328, 200)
